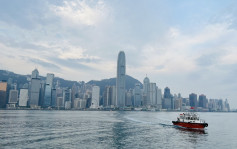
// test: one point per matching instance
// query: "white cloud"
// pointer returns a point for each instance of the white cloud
(81, 13)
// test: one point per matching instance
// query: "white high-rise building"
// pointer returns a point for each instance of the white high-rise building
(49, 79)
(146, 89)
(23, 98)
(35, 74)
(95, 97)
(13, 97)
(120, 81)
(112, 91)
(137, 95)
(159, 98)
(152, 94)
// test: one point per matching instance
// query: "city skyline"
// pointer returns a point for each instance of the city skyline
(187, 48)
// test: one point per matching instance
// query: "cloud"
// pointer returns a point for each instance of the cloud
(44, 64)
(81, 13)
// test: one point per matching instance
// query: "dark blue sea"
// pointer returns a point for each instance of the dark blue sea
(112, 129)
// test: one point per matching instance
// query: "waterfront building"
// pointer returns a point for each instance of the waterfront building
(47, 96)
(95, 97)
(120, 80)
(112, 93)
(146, 89)
(129, 98)
(74, 93)
(152, 94)
(137, 95)
(48, 90)
(54, 97)
(106, 97)
(3, 94)
(35, 74)
(42, 92)
(193, 100)
(167, 93)
(60, 103)
(202, 100)
(23, 98)
(13, 96)
(67, 98)
(49, 79)
(159, 98)
(34, 92)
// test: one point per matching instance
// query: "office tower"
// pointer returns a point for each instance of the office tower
(120, 81)
(95, 97)
(152, 94)
(49, 79)
(35, 74)
(193, 100)
(48, 90)
(202, 100)
(137, 95)
(47, 96)
(112, 93)
(13, 97)
(3, 94)
(23, 98)
(60, 103)
(74, 93)
(106, 97)
(146, 89)
(67, 98)
(34, 92)
(54, 98)
(159, 98)
(167, 93)
(129, 98)
(42, 92)
(168, 99)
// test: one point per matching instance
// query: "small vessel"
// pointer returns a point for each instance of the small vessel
(190, 120)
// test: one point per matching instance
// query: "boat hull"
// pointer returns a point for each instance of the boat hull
(190, 125)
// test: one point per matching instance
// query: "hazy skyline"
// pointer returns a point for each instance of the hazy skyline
(189, 46)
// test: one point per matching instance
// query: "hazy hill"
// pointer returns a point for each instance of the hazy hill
(130, 83)
(22, 79)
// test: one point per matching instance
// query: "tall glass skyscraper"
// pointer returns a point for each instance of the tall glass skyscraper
(120, 81)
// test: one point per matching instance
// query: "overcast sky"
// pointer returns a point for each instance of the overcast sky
(189, 46)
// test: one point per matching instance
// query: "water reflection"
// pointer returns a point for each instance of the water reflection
(192, 131)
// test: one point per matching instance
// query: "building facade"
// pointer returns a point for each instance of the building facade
(120, 81)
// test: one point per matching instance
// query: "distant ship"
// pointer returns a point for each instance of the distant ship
(190, 120)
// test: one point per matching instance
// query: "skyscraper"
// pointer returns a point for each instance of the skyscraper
(34, 89)
(152, 94)
(146, 89)
(202, 100)
(120, 81)
(35, 74)
(95, 97)
(137, 95)
(34, 92)
(49, 79)
(193, 100)
(112, 92)
(3, 94)
(47, 96)
(13, 97)
(23, 99)
(159, 98)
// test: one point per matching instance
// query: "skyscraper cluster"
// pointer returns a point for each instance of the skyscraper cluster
(49, 94)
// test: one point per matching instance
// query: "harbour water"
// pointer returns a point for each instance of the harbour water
(112, 129)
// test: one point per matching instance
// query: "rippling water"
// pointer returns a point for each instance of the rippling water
(112, 129)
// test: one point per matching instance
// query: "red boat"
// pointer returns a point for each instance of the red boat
(190, 120)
